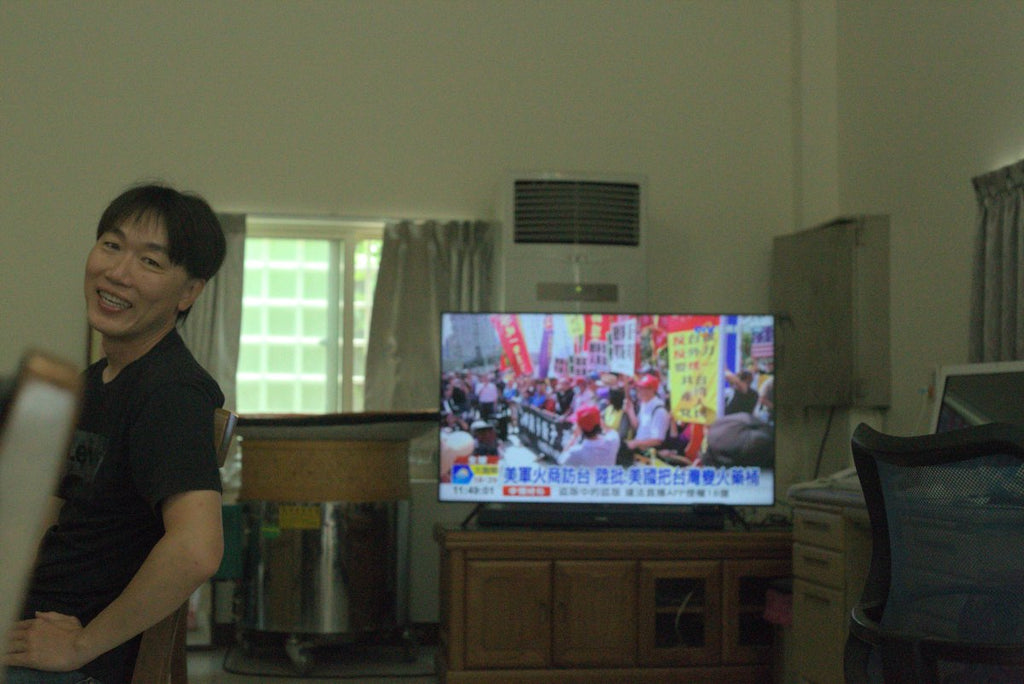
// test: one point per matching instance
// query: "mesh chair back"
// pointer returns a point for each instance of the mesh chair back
(947, 575)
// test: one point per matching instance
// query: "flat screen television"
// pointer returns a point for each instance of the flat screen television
(978, 393)
(610, 419)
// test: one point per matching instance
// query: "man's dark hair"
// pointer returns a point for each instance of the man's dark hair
(195, 239)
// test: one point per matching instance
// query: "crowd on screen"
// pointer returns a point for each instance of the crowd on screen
(487, 405)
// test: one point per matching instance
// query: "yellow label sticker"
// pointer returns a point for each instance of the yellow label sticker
(299, 517)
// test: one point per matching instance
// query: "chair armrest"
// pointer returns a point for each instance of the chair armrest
(865, 619)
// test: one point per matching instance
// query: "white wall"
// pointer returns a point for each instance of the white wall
(929, 97)
(396, 108)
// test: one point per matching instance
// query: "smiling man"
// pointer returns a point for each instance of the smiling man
(139, 526)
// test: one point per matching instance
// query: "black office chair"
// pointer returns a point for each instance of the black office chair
(944, 598)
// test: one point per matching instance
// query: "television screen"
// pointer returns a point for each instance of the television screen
(637, 409)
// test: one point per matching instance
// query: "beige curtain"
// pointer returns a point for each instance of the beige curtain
(212, 329)
(997, 288)
(426, 267)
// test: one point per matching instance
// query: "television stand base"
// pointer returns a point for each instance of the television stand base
(586, 516)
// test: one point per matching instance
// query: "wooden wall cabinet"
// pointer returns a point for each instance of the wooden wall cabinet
(597, 606)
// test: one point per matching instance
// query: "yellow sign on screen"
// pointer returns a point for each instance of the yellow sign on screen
(694, 361)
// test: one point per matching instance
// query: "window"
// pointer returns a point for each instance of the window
(307, 299)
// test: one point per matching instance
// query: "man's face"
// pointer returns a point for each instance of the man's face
(133, 292)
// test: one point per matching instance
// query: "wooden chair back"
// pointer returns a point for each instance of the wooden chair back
(37, 419)
(223, 429)
(162, 658)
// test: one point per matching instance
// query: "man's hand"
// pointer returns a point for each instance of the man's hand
(46, 642)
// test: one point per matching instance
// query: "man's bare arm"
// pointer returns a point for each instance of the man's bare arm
(187, 555)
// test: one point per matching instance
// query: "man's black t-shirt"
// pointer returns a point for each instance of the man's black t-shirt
(140, 438)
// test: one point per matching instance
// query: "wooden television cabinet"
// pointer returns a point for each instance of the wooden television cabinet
(591, 605)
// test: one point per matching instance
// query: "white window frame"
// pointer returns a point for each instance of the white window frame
(340, 232)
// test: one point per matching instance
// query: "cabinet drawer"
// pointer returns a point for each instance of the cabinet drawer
(818, 528)
(819, 627)
(821, 566)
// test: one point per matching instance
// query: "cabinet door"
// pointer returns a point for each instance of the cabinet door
(508, 604)
(746, 636)
(679, 613)
(595, 613)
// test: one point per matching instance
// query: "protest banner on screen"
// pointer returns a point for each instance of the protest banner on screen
(513, 344)
(597, 356)
(542, 432)
(622, 347)
(695, 363)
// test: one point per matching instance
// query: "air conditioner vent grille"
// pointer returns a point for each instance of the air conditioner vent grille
(577, 212)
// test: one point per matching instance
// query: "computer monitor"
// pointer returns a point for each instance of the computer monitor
(978, 393)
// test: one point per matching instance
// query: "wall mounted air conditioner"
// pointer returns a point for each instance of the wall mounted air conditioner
(573, 243)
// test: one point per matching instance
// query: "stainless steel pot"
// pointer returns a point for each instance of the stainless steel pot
(325, 568)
